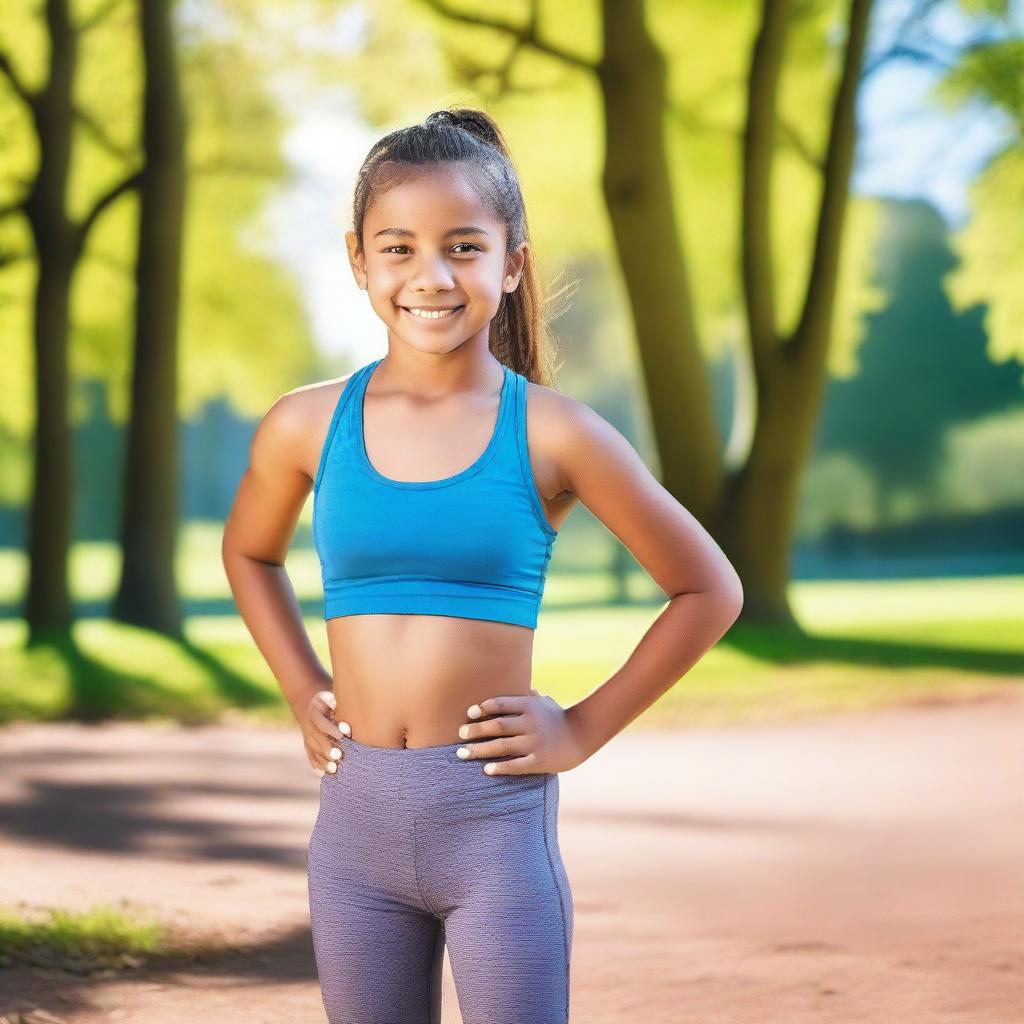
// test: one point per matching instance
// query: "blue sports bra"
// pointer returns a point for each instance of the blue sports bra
(475, 545)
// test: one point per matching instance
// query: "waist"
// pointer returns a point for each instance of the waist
(429, 784)
(408, 681)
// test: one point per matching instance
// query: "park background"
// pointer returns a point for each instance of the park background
(784, 242)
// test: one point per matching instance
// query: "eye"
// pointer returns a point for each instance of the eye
(392, 248)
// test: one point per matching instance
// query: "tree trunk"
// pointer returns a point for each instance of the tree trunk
(48, 611)
(759, 503)
(638, 193)
(147, 595)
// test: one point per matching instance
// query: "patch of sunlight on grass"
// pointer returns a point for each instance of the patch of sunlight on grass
(100, 942)
(93, 569)
(13, 567)
(233, 643)
(102, 930)
(870, 642)
(141, 653)
(34, 684)
(578, 650)
(850, 604)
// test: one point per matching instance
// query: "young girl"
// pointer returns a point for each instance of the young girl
(434, 520)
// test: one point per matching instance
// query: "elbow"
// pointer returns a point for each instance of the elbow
(731, 599)
(228, 552)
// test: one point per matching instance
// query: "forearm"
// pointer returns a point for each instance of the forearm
(266, 601)
(688, 627)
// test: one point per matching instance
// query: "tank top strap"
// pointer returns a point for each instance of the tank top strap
(519, 419)
(521, 455)
(341, 434)
(505, 461)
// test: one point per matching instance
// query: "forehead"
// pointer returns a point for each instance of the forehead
(428, 202)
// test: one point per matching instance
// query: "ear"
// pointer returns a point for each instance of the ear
(514, 264)
(356, 259)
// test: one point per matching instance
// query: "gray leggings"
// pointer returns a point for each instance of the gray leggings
(414, 850)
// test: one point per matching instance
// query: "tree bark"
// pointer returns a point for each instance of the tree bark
(759, 504)
(147, 594)
(639, 196)
(47, 608)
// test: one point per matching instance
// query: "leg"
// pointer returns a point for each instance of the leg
(378, 961)
(379, 950)
(509, 914)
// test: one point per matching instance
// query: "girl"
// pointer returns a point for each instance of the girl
(434, 522)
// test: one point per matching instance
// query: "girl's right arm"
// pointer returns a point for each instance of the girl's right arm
(257, 534)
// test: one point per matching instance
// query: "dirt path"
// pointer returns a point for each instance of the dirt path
(866, 868)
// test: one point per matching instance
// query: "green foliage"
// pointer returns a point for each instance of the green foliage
(411, 52)
(922, 368)
(991, 72)
(990, 246)
(992, 8)
(243, 329)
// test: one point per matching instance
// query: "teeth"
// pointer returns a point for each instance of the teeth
(432, 314)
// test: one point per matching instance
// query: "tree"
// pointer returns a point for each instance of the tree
(922, 368)
(58, 240)
(147, 595)
(749, 508)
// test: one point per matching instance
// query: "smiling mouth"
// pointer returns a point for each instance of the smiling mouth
(433, 314)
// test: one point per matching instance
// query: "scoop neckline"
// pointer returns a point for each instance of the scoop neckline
(482, 459)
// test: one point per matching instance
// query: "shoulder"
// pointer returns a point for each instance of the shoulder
(564, 421)
(568, 432)
(576, 438)
(295, 426)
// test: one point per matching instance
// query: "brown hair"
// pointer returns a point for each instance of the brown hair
(520, 335)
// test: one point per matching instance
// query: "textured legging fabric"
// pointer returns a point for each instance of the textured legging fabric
(414, 850)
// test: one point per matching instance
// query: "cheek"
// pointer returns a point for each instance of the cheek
(383, 286)
(486, 284)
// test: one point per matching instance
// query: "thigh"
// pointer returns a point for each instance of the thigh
(378, 961)
(378, 948)
(509, 920)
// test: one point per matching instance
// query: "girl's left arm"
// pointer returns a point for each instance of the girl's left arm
(704, 592)
(599, 466)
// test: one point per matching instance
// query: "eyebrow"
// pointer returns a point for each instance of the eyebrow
(469, 229)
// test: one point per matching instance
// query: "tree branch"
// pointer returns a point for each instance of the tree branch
(803, 150)
(758, 153)
(102, 202)
(525, 35)
(101, 135)
(812, 330)
(29, 97)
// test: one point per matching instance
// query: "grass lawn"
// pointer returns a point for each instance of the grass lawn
(866, 643)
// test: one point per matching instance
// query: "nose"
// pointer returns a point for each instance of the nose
(431, 275)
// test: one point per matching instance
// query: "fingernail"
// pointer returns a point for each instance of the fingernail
(332, 767)
(463, 732)
(474, 711)
(345, 728)
(489, 768)
(462, 752)
(335, 753)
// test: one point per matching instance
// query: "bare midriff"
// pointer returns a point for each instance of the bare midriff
(408, 680)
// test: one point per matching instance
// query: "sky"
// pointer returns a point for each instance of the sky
(909, 147)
